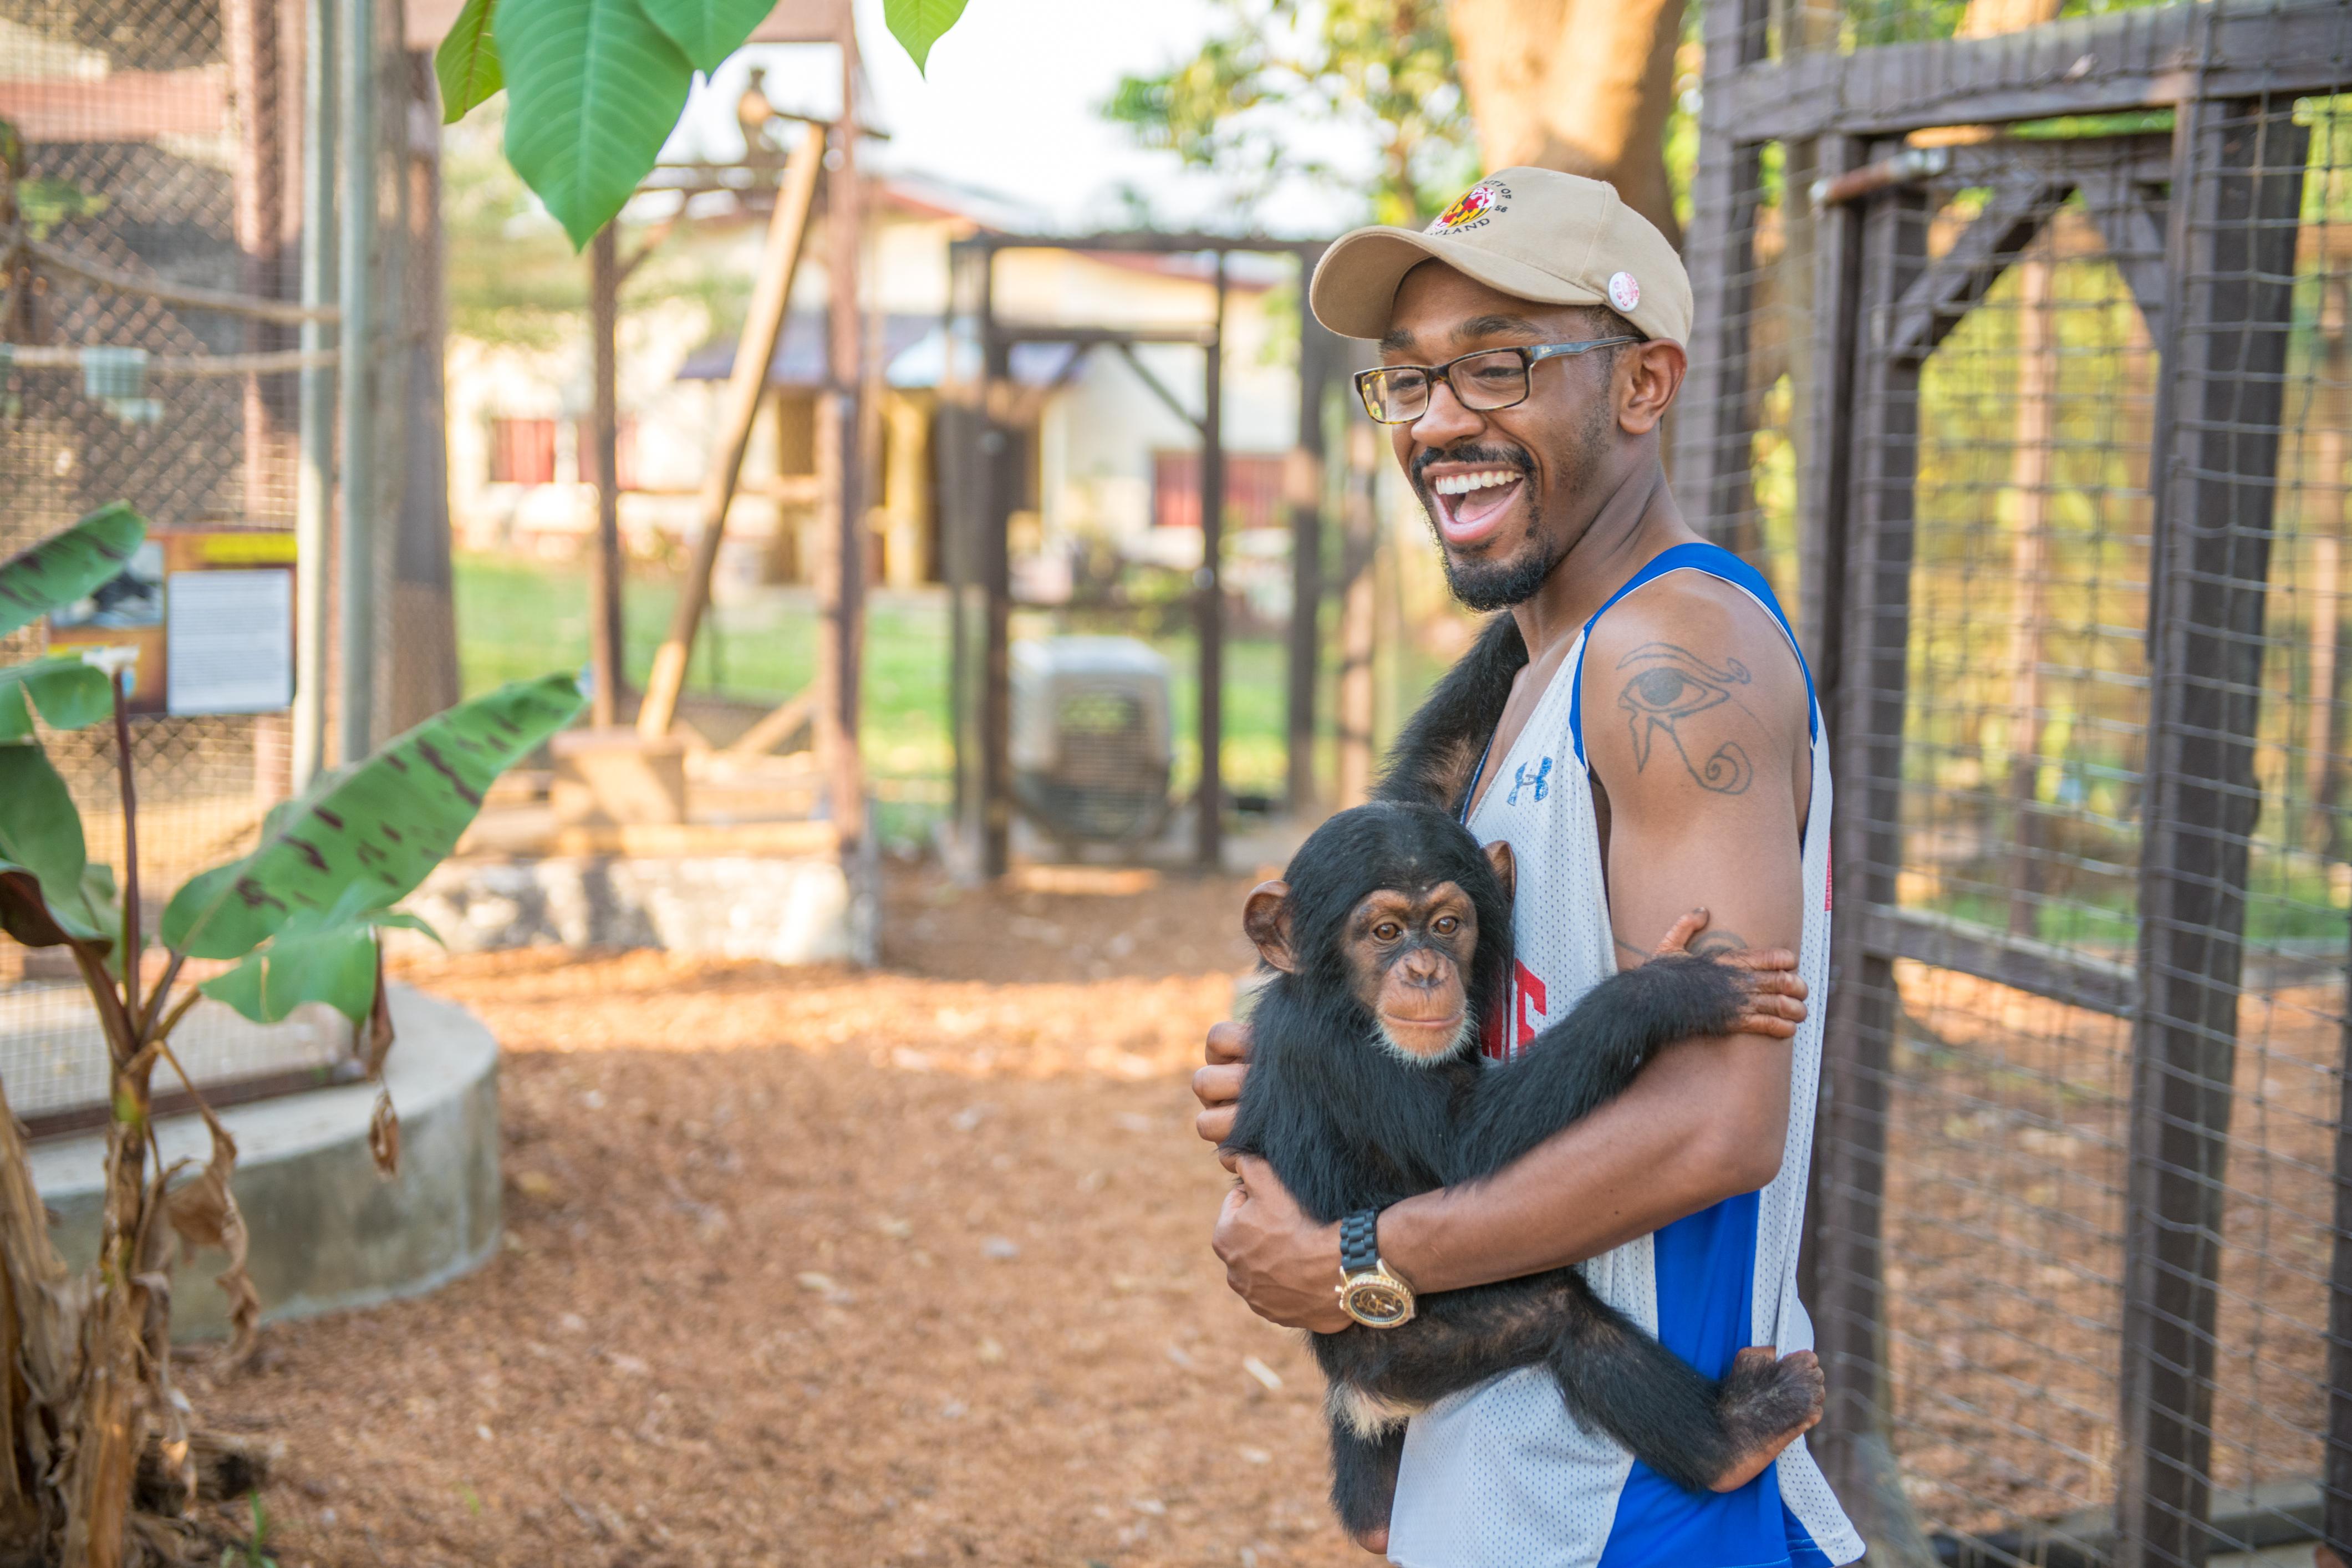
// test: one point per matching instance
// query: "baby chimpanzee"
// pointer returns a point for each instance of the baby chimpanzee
(1391, 941)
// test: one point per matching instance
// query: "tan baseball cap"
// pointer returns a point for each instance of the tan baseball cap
(1554, 238)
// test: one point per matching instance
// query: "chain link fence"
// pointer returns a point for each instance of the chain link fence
(2027, 376)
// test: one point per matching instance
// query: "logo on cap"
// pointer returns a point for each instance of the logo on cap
(1478, 205)
(1623, 291)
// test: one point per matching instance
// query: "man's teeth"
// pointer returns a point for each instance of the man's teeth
(1463, 484)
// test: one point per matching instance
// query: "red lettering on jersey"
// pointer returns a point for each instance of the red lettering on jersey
(1529, 1005)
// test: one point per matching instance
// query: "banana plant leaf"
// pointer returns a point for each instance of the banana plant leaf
(70, 692)
(68, 566)
(363, 844)
(336, 965)
(41, 842)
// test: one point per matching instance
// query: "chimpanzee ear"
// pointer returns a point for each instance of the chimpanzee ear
(1266, 919)
(1498, 855)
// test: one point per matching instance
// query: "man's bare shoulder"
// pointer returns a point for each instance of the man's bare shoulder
(1692, 694)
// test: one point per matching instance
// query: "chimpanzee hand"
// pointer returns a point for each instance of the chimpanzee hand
(1218, 1086)
(1776, 994)
(1276, 1260)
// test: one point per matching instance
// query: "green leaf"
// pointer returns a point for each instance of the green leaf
(66, 567)
(594, 89)
(467, 62)
(364, 843)
(707, 31)
(336, 966)
(919, 23)
(68, 692)
(40, 832)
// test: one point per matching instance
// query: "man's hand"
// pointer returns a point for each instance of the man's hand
(1218, 1086)
(1282, 1263)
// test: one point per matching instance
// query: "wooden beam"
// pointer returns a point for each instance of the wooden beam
(1932, 307)
(604, 566)
(2024, 965)
(2151, 57)
(787, 232)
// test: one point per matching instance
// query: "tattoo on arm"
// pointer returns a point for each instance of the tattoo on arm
(1709, 945)
(1669, 685)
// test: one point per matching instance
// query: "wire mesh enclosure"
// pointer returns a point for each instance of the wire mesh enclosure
(151, 152)
(2023, 366)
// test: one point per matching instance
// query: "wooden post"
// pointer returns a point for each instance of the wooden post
(1303, 478)
(2029, 480)
(1863, 1006)
(840, 427)
(1209, 596)
(762, 326)
(2237, 197)
(604, 644)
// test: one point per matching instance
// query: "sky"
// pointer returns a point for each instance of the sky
(1011, 106)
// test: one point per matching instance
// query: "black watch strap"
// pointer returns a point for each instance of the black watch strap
(1360, 1241)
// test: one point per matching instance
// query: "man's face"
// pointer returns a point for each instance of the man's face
(1509, 491)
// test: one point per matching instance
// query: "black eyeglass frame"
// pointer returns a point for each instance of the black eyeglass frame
(1530, 355)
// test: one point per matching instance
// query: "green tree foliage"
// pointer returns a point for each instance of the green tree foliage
(597, 86)
(1383, 68)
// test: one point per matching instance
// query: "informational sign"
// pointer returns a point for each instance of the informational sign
(210, 615)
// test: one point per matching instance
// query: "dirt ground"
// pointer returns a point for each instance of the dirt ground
(818, 1266)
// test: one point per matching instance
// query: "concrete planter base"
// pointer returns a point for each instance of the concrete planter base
(328, 1232)
(739, 906)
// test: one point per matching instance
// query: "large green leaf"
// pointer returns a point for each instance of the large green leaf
(594, 89)
(919, 23)
(40, 832)
(707, 31)
(467, 62)
(70, 692)
(66, 567)
(338, 966)
(364, 843)
(335, 966)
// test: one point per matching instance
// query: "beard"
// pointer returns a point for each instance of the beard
(1485, 585)
(1492, 585)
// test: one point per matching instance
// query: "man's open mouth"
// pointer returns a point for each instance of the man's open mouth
(1471, 505)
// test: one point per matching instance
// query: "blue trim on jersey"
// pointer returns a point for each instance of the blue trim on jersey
(1715, 561)
(1704, 1265)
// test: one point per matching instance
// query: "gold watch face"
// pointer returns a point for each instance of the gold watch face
(1377, 1301)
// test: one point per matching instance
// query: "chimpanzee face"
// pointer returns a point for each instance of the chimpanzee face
(1410, 953)
(1406, 949)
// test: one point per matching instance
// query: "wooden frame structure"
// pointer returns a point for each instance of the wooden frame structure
(979, 422)
(2203, 223)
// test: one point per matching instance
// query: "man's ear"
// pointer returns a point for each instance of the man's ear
(1651, 374)
(1266, 919)
(1506, 868)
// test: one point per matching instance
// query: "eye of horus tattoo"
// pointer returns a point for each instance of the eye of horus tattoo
(1670, 684)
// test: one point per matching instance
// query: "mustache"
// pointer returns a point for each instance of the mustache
(1497, 457)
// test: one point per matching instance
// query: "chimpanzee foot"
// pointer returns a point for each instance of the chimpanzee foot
(1767, 1404)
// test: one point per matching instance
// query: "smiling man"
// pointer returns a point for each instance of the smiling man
(1659, 752)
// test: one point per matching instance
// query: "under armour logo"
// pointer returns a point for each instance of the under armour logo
(1521, 781)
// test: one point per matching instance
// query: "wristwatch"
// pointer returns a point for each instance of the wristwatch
(1368, 1291)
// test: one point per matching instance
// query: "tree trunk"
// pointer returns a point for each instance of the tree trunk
(1579, 85)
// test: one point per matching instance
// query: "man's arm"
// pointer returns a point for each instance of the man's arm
(1696, 728)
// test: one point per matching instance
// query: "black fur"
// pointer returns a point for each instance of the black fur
(1348, 1125)
(1438, 750)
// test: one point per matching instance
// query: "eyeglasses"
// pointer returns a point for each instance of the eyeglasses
(1487, 380)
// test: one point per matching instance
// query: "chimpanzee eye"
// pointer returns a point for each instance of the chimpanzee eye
(1387, 930)
(1448, 924)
